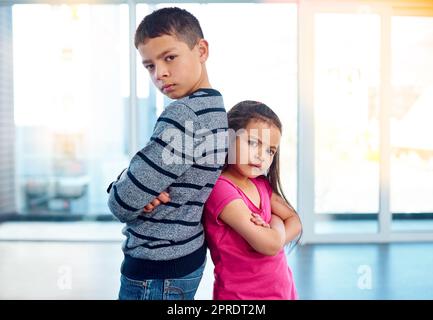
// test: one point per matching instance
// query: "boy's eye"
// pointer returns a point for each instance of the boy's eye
(149, 67)
(170, 58)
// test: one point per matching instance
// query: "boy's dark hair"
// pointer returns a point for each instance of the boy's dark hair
(169, 21)
(239, 117)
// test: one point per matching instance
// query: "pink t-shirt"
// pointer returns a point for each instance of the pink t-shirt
(241, 273)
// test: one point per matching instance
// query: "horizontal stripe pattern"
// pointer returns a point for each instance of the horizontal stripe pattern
(183, 156)
(120, 201)
(176, 124)
(167, 243)
(156, 167)
(178, 243)
(168, 221)
(174, 229)
(177, 153)
(209, 110)
(186, 185)
(178, 205)
(140, 185)
(204, 168)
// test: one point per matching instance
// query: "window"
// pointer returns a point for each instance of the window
(70, 100)
(7, 132)
(411, 117)
(364, 144)
(71, 93)
(347, 56)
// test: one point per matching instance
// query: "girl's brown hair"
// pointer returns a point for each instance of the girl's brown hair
(239, 117)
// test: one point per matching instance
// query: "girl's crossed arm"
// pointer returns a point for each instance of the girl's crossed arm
(292, 223)
(267, 241)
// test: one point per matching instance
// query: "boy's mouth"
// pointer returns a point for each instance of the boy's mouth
(167, 88)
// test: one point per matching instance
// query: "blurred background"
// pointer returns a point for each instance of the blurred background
(352, 82)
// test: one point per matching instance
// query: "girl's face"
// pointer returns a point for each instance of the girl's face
(256, 146)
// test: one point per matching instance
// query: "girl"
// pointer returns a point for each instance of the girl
(246, 217)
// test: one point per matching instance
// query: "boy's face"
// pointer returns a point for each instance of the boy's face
(175, 69)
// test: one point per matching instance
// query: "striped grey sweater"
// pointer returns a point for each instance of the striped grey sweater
(184, 156)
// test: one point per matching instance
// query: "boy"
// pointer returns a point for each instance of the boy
(165, 251)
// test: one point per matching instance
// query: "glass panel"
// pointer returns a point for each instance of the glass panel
(7, 128)
(256, 61)
(347, 56)
(411, 123)
(71, 92)
(147, 106)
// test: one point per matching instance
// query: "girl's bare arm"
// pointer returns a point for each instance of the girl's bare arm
(292, 223)
(267, 241)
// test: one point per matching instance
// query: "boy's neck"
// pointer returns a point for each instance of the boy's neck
(204, 83)
(204, 86)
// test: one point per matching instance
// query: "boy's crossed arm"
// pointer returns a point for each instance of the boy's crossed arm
(163, 197)
(151, 172)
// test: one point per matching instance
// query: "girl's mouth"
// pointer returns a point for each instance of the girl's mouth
(258, 166)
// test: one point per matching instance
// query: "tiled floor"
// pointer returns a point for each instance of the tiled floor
(89, 268)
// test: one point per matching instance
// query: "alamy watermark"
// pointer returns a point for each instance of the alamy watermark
(365, 279)
(205, 146)
(64, 279)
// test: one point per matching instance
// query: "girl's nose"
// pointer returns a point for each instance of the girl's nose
(259, 157)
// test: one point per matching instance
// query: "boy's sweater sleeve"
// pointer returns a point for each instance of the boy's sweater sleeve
(167, 155)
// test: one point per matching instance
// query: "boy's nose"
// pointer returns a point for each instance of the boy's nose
(161, 72)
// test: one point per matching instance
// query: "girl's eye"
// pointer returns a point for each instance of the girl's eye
(170, 58)
(149, 67)
(271, 152)
(252, 143)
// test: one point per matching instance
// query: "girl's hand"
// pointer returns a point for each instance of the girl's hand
(163, 197)
(257, 219)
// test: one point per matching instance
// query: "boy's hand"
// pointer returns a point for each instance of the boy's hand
(257, 219)
(163, 197)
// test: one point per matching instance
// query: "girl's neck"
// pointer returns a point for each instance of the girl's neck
(236, 177)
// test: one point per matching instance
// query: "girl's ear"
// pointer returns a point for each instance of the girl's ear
(203, 49)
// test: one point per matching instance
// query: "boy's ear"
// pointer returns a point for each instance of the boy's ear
(203, 49)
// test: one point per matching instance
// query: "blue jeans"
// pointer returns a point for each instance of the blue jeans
(161, 289)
